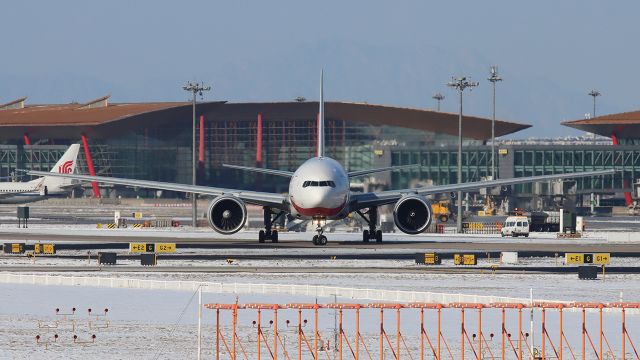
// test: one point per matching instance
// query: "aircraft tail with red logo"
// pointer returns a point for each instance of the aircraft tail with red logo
(66, 165)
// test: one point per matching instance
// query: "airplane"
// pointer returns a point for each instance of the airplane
(45, 186)
(319, 190)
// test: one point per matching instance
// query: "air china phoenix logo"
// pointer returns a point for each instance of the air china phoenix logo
(66, 167)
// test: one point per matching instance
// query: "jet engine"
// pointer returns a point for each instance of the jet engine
(412, 214)
(227, 214)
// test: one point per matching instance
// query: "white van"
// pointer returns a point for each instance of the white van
(516, 226)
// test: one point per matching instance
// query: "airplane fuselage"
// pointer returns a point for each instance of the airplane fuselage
(319, 189)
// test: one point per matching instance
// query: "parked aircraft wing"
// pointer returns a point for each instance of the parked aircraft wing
(260, 170)
(251, 197)
(390, 168)
(360, 201)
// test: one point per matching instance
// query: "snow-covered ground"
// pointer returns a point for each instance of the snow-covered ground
(327, 262)
(149, 324)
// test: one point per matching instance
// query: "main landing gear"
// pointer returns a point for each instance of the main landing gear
(372, 221)
(267, 233)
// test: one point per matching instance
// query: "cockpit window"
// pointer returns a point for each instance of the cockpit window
(319, 184)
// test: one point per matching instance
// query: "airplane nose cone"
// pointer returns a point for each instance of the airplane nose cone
(317, 198)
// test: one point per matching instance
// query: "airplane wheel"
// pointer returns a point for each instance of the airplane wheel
(315, 240)
(365, 236)
(261, 236)
(274, 236)
(379, 236)
(322, 240)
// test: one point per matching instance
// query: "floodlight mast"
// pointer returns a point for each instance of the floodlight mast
(460, 84)
(195, 89)
(494, 78)
(438, 97)
(595, 93)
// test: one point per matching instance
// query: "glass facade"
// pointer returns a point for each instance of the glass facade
(440, 165)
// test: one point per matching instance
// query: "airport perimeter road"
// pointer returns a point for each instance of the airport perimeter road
(430, 242)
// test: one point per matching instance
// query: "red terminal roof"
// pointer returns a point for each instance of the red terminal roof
(70, 120)
(622, 125)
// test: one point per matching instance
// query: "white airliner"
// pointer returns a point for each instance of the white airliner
(45, 186)
(319, 191)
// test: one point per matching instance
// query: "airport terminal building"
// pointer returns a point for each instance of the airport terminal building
(154, 141)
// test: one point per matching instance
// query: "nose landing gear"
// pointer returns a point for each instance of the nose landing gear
(372, 221)
(319, 239)
(267, 233)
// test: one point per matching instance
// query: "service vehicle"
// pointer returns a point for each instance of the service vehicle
(516, 226)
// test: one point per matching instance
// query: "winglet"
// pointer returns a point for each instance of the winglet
(321, 118)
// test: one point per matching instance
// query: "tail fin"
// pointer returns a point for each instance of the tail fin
(321, 118)
(66, 165)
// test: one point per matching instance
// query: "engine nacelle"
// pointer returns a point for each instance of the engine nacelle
(412, 214)
(227, 214)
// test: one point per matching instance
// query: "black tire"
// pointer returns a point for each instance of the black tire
(322, 240)
(379, 236)
(366, 236)
(261, 236)
(315, 240)
(274, 236)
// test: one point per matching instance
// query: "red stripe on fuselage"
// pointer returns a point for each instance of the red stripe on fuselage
(318, 211)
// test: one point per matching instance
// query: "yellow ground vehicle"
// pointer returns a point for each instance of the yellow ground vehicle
(440, 210)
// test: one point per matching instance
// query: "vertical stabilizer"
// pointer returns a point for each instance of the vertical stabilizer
(321, 118)
(66, 165)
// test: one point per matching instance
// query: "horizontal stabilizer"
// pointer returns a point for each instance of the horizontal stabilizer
(390, 168)
(260, 170)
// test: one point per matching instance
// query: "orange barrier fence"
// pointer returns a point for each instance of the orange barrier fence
(425, 331)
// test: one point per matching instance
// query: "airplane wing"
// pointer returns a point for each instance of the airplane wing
(360, 201)
(371, 171)
(260, 170)
(251, 197)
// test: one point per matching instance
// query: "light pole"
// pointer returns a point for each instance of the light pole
(460, 84)
(595, 93)
(195, 89)
(438, 97)
(494, 78)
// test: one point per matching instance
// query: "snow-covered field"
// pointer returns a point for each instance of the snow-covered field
(150, 324)
(147, 324)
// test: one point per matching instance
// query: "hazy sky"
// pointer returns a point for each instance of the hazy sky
(549, 52)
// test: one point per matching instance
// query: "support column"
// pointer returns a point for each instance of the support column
(259, 142)
(627, 195)
(92, 171)
(201, 148)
